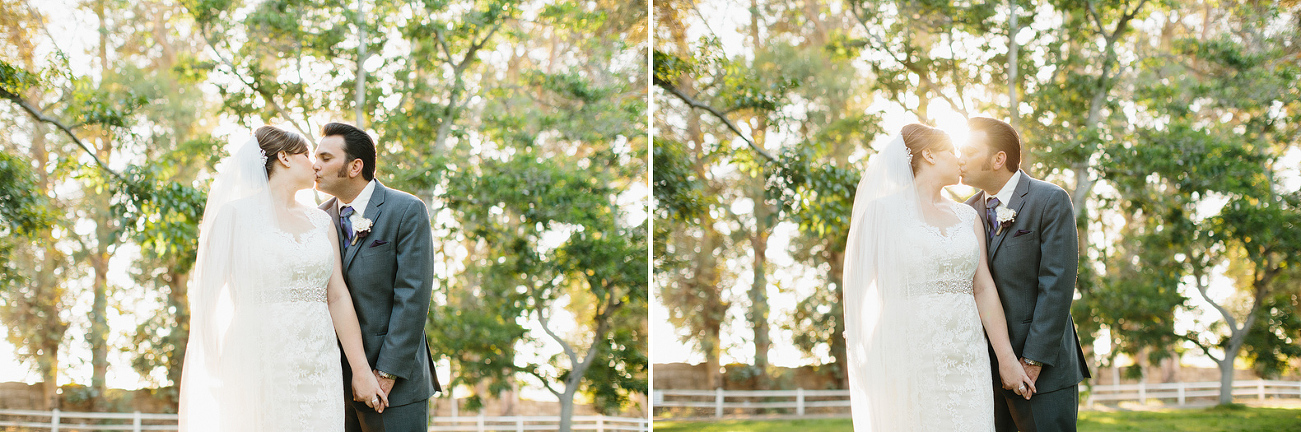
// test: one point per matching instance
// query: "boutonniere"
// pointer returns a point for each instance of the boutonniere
(360, 227)
(1005, 218)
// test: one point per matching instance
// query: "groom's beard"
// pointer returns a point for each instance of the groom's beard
(343, 172)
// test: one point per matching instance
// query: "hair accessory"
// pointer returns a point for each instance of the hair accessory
(909, 152)
(264, 156)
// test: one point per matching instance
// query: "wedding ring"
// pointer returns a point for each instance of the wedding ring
(1021, 388)
(374, 400)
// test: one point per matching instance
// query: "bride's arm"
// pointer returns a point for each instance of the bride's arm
(991, 315)
(364, 384)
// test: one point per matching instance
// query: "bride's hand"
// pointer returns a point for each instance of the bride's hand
(365, 388)
(1015, 378)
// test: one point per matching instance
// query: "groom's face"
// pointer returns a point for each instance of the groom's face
(977, 162)
(331, 164)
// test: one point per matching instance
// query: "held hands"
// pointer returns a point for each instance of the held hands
(366, 388)
(385, 384)
(1016, 378)
(1032, 370)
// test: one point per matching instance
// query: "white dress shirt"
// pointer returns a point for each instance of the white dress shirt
(362, 200)
(1004, 195)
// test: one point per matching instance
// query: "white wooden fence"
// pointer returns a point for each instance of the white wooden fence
(59, 421)
(799, 401)
(546, 423)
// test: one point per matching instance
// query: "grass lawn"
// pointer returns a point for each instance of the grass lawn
(1238, 419)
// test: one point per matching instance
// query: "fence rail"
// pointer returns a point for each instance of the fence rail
(799, 401)
(59, 421)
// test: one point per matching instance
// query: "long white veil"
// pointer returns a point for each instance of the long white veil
(880, 267)
(225, 365)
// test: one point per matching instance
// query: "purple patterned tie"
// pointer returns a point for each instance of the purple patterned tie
(991, 216)
(346, 221)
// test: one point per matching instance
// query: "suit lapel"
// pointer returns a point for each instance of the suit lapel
(1017, 202)
(331, 208)
(373, 209)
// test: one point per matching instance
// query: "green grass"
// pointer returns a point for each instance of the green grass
(1236, 419)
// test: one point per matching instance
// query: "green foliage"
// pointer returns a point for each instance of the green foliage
(680, 195)
(23, 209)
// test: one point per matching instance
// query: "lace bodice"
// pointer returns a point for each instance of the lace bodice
(300, 265)
(947, 257)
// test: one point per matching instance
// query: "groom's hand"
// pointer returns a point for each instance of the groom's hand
(1031, 370)
(385, 384)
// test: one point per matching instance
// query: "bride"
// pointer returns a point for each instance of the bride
(267, 302)
(917, 291)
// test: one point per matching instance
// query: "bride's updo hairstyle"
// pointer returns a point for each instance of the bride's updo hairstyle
(274, 140)
(918, 137)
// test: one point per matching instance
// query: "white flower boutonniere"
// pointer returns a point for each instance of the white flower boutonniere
(360, 227)
(1005, 218)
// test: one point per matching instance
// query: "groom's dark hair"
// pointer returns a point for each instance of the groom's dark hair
(1002, 137)
(356, 145)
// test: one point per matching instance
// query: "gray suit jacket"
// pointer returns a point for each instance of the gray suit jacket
(1033, 263)
(390, 274)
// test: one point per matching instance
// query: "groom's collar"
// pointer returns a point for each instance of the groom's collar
(1004, 195)
(360, 203)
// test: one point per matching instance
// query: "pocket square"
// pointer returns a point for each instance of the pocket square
(378, 243)
(1021, 233)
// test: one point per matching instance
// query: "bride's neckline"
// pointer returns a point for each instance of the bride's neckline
(301, 237)
(943, 231)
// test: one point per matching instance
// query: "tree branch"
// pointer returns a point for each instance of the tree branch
(716, 113)
(546, 381)
(36, 114)
(546, 327)
(923, 78)
(1202, 288)
(252, 85)
(1205, 349)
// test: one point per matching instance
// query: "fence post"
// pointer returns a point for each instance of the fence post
(479, 422)
(54, 421)
(799, 401)
(1260, 389)
(519, 424)
(135, 422)
(600, 424)
(1142, 393)
(718, 402)
(1182, 395)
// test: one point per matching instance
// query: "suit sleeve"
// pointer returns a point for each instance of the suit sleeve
(1059, 257)
(412, 288)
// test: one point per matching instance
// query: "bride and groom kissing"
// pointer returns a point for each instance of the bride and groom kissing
(958, 314)
(281, 289)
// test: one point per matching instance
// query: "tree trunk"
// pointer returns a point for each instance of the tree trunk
(359, 98)
(104, 232)
(838, 346)
(179, 299)
(1013, 110)
(1226, 375)
(758, 315)
(567, 407)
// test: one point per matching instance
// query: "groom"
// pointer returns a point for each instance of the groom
(1032, 257)
(388, 264)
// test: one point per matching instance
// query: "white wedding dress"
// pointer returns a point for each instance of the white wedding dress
(305, 387)
(954, 379)
(918, 358)
(262, 354)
